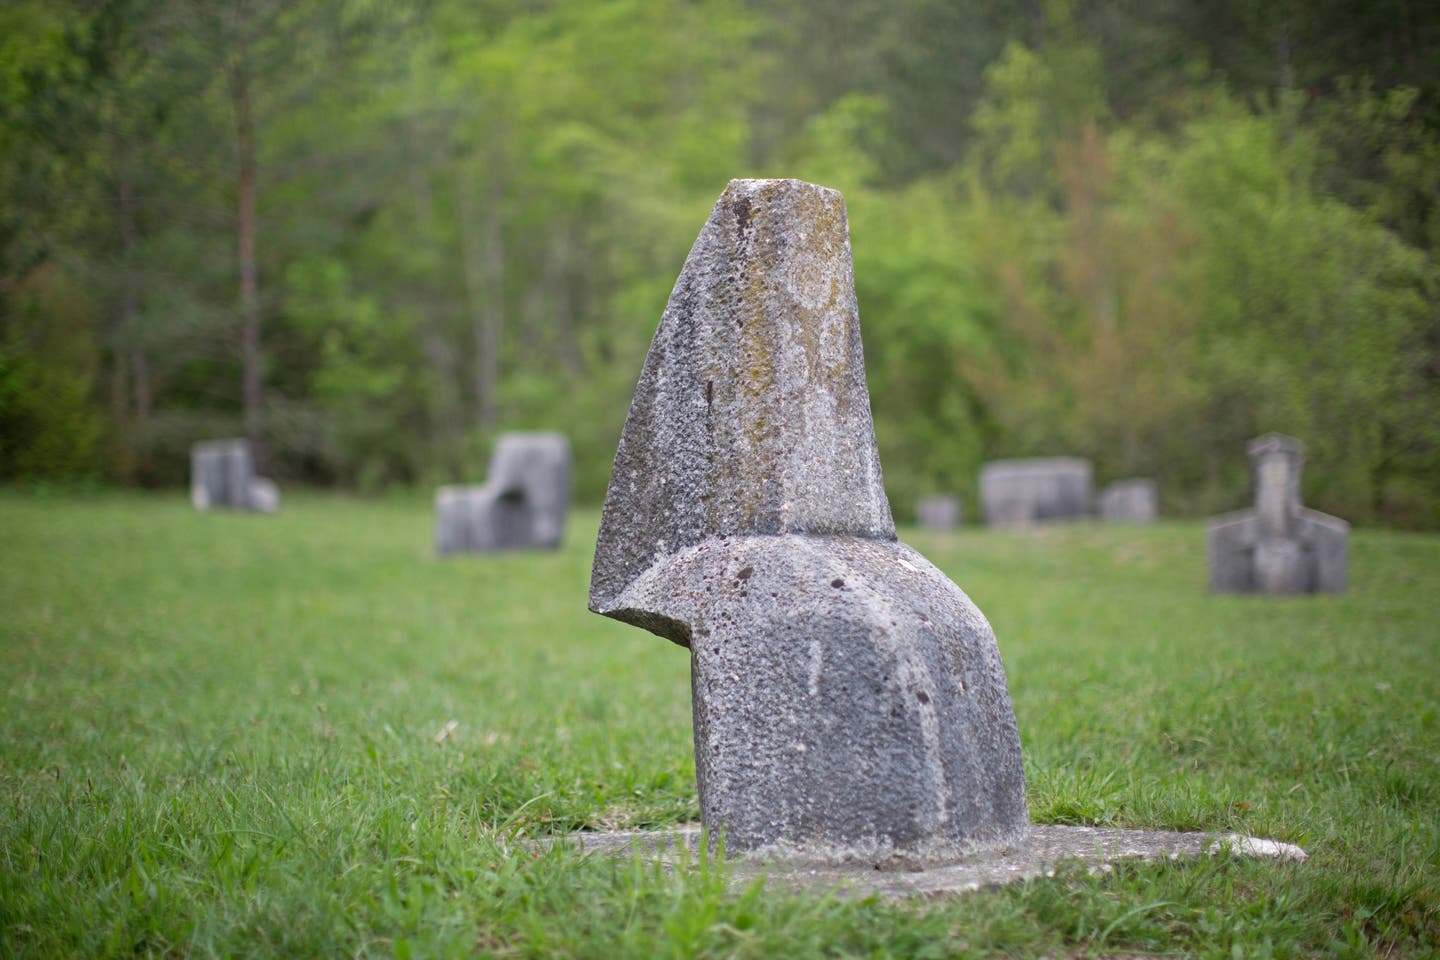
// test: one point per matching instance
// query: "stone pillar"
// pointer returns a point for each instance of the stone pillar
(849, 699)
(1275, 461)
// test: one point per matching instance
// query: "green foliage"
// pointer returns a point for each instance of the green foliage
(47, 428)
(362, 376)
(1201, 283)
(1323, 352)
(927, 321)
(1141, 232)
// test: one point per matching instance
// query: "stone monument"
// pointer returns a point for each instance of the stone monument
(1279, 547)
(1017, 493)
(222, 476)
(938, 512)
(522, 505)
(1129, 501)
(849, 700)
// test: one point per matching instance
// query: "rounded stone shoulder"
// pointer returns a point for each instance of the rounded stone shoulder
(860, 579)
(850, 702)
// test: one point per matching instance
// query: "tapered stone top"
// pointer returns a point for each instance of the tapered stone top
(751, 415)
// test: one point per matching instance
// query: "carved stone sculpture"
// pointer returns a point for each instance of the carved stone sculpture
(849, 700)
(522, 505)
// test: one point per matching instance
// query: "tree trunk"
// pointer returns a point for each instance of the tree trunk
(435, 347)
(129, 367)
(140, 381)
(250, 359)
(482, 248)
(139, 371)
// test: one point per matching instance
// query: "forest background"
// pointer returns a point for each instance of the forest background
(373, 234)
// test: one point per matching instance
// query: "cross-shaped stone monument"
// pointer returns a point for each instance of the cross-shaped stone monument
(1278, 547)
(849, 700)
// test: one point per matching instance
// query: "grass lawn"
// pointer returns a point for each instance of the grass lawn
(226, 735)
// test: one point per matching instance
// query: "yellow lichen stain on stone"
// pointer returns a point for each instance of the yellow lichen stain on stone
(786, 285)
(756, 381)
(822, 318)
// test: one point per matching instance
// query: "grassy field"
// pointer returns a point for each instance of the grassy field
(304, 735)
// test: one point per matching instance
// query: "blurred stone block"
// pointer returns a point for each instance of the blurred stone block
(1129, 501)
(521, 506)
(264, 495)
(1035, 490)
(222, 476)
(939, 512)
(849, 700)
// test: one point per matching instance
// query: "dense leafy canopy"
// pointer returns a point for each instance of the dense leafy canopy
(374, 234)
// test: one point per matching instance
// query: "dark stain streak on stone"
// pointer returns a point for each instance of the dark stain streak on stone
(742, 216)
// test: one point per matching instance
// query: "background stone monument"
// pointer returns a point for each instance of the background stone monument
(1129, 501)
(849, 699)
(222, 476)
(938, 512)
(522, 505)
(1037, 490)
(1278, 547)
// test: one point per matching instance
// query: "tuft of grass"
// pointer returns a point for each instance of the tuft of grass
(228, 735)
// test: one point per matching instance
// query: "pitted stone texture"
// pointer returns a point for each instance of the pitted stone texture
(751, 414)
(1279, 547)
(1046, 848)
(849, 700)
(1129, 501)
(521, 506)
(1017, 493)
(938, 513)
(222, 476)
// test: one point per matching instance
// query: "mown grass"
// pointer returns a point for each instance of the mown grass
(221, 735)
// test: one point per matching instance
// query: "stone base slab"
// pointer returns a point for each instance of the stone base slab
(1046, 847)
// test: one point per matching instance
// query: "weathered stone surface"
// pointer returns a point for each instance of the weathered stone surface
(222, 476)
(1038, 490)
(455, 511)
(1044, 850)
(264, 495)
(940, 512)
(1279, 547)
(849, 700)
(522, 505)
(1129, 501)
